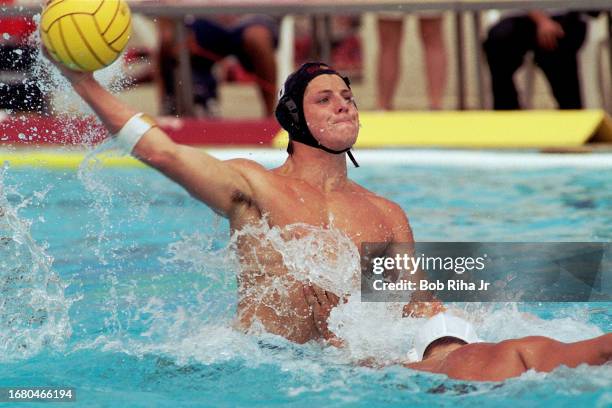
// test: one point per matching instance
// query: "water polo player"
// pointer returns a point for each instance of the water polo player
(311, 188)
(447, 344)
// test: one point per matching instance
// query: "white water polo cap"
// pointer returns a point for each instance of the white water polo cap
(443, 325)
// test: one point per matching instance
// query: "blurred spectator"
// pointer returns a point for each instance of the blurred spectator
(555, 41)
(346, 48)
(390, 29)
(345, 44)
(252, 39)
(17, 91)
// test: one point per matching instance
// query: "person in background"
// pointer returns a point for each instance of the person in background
(390, 28)
(252, 39)
(555, 40)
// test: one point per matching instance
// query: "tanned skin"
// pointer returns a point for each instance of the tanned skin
(310, 188)
(482, 361)
(511, 358)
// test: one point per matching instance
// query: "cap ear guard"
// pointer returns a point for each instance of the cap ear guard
(287, 113)
(293, 110)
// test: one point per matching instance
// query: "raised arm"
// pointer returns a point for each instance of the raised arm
(208, 179)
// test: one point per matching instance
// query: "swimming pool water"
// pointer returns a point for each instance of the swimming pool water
(140, 313)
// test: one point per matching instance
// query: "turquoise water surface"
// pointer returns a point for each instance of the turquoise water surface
(126, 292)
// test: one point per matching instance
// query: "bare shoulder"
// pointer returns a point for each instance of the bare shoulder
(393, 209)
(246, 165)
(484, 362)
(392, 212)
(486, 353)
(530, 350)
(533, 343)
(384, 204)
(264, 184)
(253, 172)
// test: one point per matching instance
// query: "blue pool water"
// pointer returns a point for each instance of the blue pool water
(127, 292)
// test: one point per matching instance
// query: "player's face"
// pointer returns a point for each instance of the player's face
(330, 112)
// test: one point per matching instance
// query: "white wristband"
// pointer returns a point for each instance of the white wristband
(133, 130)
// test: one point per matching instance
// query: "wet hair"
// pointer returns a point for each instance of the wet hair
(442, 341)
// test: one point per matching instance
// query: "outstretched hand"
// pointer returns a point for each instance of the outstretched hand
(321, 303)
(73, 76)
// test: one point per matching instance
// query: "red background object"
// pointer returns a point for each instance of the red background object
(34, 130)
(19, 27)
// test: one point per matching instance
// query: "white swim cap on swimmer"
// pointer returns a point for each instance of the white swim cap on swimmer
(442, 325)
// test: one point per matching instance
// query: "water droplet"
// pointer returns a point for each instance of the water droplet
(18, 51)
(6, 36)
(21, 136)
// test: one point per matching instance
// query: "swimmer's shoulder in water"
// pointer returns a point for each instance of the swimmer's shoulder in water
(511, 358)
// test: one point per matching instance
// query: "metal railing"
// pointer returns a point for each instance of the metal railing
(177, 10)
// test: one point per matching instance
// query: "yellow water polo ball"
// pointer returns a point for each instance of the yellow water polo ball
(85, 35)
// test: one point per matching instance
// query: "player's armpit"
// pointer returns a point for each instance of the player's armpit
(210, 180)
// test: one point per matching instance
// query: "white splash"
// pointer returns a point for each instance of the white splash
(327, 258)
(33, 309)
(323, 256)
(66, 104)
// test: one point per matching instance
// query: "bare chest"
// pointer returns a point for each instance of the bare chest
(354, 214)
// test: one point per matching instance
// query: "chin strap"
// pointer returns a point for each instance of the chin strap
(328, 150)
(350, 155)
(347, 151)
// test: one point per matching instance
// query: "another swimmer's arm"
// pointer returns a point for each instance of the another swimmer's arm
(545, 354)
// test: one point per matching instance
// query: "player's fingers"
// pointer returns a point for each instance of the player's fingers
(310, 296)
(45, 52)
(333, 299)
(320, 293)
